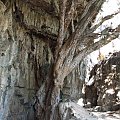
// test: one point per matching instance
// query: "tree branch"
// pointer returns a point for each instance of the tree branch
(70, 14)
(91, 48)
(80, 29)
(108, 17)
(65, 18)
(62, 6)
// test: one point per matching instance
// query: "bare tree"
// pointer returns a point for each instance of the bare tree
(74, 41)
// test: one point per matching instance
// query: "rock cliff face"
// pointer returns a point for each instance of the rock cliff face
(106, 75)
(24, 60)
(28, 29)
(73, 83)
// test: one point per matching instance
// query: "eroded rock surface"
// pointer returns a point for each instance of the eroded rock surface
(106, 75)
(24, 60)
(72, 111)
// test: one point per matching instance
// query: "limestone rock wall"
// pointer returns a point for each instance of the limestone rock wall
(106, 75)
(73, 83)
(24, 61)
